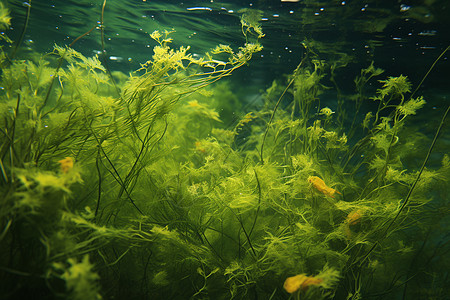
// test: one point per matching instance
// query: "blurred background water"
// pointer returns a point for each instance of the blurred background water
(402, 37)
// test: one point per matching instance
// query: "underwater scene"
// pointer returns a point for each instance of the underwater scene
(267, 149)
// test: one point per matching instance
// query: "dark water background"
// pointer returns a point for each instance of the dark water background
(402, 37)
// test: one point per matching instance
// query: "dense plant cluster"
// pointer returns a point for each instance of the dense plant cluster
(116, 186)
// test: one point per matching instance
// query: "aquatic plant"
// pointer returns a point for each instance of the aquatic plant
(138, 186)
(250, 21)
(62, 109)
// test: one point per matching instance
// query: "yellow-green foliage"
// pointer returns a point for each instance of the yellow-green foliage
(143, 188)
(5, 22)
(81, 280)
(65, 105)
(250, 21)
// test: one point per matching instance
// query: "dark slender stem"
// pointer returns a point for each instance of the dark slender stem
(430, 149)
(84, 34)
(27, 18)
(99, 183)
(276, 107)
(429, 71)
(259, 203)
(421, 169)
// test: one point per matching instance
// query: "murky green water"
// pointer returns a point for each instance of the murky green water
(224, 150)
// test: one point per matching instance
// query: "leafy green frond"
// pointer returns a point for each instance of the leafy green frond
(382, 141)
(162, 38)
(91, 63)
(366, 121)
(81, 279)
(394, 86)
(5, 19)
(371, 71)
(66, 53)
(250, 21)
(410, 107)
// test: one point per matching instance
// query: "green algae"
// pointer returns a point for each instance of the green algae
(134, 187)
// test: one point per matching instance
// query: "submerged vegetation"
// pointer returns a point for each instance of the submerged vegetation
(117, 186)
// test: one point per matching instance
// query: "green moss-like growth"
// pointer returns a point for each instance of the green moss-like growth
(139, 187)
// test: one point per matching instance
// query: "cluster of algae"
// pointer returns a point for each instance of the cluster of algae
(119, 186)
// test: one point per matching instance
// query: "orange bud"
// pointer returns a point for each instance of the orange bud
(301, 281)
(354, 217)
(292, 284)
(66, 164)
